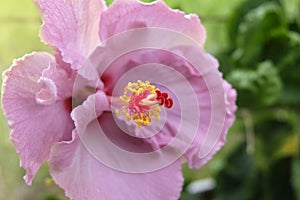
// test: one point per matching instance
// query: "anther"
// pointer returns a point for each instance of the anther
(142, 102)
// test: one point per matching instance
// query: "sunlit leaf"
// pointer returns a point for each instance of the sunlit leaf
(289, 146)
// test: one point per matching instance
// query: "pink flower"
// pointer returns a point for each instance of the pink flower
(128, 96)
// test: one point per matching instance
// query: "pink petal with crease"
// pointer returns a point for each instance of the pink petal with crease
(125, 15)
(34, 126)
(192, 155)
(83, 177)
(71, 26)
(91, 108)
(63, 79)
(48, 93)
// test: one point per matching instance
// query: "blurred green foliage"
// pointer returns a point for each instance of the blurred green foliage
(262, 62)
(257, 43)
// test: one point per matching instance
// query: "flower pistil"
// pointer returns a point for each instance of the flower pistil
(143, 102)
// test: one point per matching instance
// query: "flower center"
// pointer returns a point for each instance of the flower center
(143, 102)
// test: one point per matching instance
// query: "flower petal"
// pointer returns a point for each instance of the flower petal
(91, 108)
(192, 155)
(83, 177)
(125, 15)
(213, 110)
(71, 26)
(48, 93)
(62, 78)
(35, 121)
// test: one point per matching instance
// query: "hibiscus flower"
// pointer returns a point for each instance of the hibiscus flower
(128, 97)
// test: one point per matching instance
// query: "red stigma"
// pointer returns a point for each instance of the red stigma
(163, 99)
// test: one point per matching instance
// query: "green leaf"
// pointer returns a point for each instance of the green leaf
(258, 87)
(290, 95)
(296, 177)
(289, 146)
(239, 179)
(291, 8)
(187, 196)
(274, 134)
(282, 47)
(257, 26)
(238, 14)
(289, 64)
(277, 181)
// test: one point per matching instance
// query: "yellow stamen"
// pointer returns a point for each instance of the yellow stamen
(140, 103)
(143, 103)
